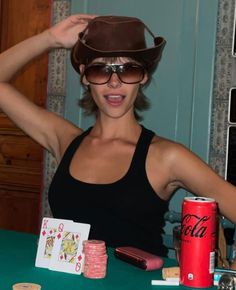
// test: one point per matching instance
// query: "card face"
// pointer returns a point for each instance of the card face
(50, 229)
(67, 253)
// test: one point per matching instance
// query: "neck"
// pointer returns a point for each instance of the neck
(116, 128)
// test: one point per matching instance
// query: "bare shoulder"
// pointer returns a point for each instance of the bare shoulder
(66, 133)
(167, 149)
(174, 160)
(182, 166)
(162, 165)
(69, 135)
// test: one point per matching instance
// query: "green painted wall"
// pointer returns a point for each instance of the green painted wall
(181, 90)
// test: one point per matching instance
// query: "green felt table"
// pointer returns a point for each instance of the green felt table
(17, 258)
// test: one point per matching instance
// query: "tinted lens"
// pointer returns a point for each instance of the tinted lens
(97, 74)
(128, 73)
(131, 73)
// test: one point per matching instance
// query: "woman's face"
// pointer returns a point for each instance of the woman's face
(114, 84)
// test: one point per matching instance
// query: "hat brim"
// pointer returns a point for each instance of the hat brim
(150, 55)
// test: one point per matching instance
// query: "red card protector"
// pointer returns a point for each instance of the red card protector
(139, 258)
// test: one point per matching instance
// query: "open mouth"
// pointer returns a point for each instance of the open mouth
(114, 100)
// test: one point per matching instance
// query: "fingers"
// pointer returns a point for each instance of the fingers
(82, 18)
(65, 33)
(88, 16)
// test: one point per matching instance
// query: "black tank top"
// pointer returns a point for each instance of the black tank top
(127, 212)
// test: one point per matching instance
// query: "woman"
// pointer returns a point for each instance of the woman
(118, 176)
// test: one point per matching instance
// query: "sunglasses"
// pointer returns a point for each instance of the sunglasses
(100, 73)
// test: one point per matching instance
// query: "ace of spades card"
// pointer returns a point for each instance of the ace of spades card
(49, 230)
(67, 253)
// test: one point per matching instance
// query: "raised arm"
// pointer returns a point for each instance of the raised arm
(197, 177)
(46, 128)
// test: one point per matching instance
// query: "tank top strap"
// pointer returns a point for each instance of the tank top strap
(73, 146)
(140, 154)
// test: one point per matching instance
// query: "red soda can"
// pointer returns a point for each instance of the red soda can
(198, 236)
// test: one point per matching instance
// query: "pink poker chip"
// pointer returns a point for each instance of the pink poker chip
(94, 243)
(95, 274)
(94, 266)
(94, 271)
(100, 276)
(88, 266)
(94, 252)
(95, 259)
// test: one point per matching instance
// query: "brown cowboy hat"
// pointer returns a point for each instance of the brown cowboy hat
(111, 36)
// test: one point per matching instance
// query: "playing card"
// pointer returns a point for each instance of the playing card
(49, 230)
(67, 253)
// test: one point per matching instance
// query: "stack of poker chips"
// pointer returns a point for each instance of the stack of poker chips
(95, 259)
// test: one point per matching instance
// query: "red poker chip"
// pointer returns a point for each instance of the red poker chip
(95, 259)
(91, 269)
(94, 248)
(95, 263)
(102, 258)
(94, 243)
(94, 266)
(95, 253)
(92, 275)
(99, 249)
(95, 276)
(94, 271)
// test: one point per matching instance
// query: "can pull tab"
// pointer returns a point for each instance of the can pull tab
(227, 282)
(200, 198)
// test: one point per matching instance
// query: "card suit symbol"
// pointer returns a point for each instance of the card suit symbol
(79, 258)
(59, 236)
(61, 257)
(77, 267)
(50, 232)
(44, 233)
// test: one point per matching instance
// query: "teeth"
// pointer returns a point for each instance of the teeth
(114, 97)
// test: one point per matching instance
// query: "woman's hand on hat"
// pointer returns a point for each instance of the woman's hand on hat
(65, 33)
